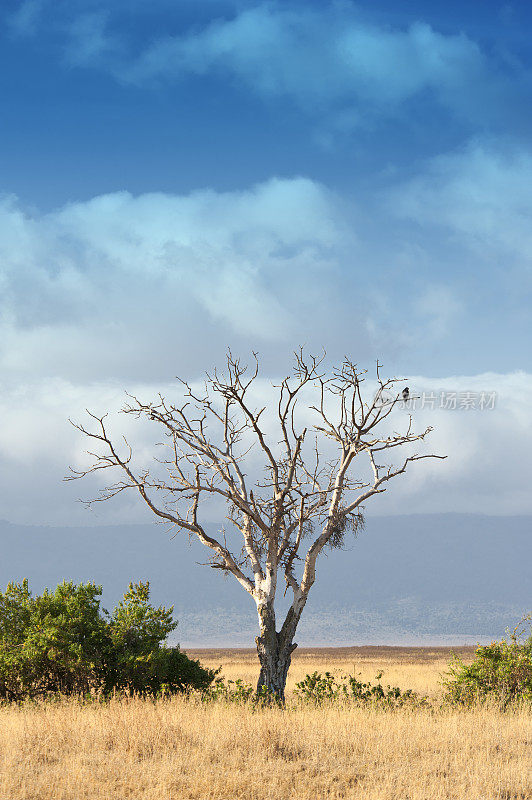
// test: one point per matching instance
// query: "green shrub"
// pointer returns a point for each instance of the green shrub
(61, 642)
(240, 692)
(501, 671)
(232, 691)
(318, 688)
(57, 642)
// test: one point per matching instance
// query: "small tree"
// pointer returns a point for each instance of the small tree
(140, 661)
(60, 643)
(307, 492)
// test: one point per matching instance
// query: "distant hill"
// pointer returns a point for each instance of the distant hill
(441, 578)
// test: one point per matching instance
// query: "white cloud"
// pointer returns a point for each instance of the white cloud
(99, 287)
(440, 307)
(480, 193)
(122, 286)
(88, 40)
(321, 59)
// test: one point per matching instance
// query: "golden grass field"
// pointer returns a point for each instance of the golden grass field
(180, 749)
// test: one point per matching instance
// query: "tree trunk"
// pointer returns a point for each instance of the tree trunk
(275, 650)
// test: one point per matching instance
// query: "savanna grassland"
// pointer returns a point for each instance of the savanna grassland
(188, 750)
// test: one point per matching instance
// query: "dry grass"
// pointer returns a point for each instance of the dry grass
(417, 668)
(184, 750)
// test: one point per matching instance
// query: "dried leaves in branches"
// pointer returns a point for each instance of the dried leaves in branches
(343, 522)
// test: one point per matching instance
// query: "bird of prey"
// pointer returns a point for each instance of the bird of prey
(406, 393)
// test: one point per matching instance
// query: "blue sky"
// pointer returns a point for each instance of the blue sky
(173, 96)
(181, 176)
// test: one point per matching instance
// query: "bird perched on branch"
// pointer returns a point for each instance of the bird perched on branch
(406, 393)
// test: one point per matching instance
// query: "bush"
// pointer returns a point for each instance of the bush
(240, 693)
(61, 642)
(501, 671)
(57, 642)
(232, 691)
(318, 688)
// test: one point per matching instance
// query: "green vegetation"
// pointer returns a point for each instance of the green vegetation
(239, 692)
(501, 671)
(317, 688)
(61, 642)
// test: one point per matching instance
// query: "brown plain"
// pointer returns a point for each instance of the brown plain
(182, 749)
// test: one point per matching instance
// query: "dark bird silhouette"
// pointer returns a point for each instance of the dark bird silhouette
(406, 393)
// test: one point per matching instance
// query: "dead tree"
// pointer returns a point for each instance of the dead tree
(306, 498)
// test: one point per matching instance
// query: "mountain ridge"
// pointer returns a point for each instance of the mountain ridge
(417, 577)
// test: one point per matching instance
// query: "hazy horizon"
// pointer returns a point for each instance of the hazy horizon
(447, 579)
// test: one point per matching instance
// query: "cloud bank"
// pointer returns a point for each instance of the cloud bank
(98, 287)
(122, 292)
(487, 470)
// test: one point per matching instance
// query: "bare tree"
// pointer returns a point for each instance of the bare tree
(307, 498)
